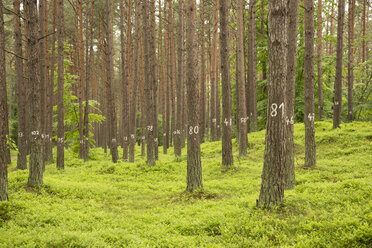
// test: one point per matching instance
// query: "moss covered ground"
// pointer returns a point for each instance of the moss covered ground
(101, 204)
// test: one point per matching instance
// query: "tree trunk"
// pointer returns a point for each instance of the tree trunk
(293, 7)
(194, 169)
(49, 83)
(213, 77)
(125, 75)
(252, 67)
(273, 179)
(264, 69)
(112, 123)
(178, 134)
(3, 114)
(88, 74)
(35, 177)
(350, 66)
(22, 149)
(80, 73)
(338, 79)
(227, 157)
(133, 101)
(319, 58)
(60, 86)
(202, 73)
(310, 148)
(240, 81)
(147, 47)
(364, 28)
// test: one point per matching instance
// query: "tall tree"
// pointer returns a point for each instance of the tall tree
(273, 183)
(194, 169)
(110, 85)
(293, 6)
(49, 83)
(148, 81)
(60, 87)
(240, 80)
(35, 177)
(136, 76)
(252, 87)
(22, 148)
(364, 29)
(338, 78)
(319, 61)
(227, 157)
(350, 66)
(213, 76)
(178, 136)
(202, 72)
(125, 74)
(3, 114)
(80, 72)
(310, 148)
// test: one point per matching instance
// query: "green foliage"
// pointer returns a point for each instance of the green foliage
(71, 108)
(101, 204)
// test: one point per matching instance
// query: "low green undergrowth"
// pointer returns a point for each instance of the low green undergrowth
(101, 204)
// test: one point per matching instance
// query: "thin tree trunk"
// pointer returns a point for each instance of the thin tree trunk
(273, 178)
(60, 82)
(22, 149)
(252, 67)
(240, 81)
(213, 73)
(112, 123)
(227, 156)
(338, 79)
(264, 69)
(136, 67)
(202, 73)
(364, 28)
(293, 8)
(35, 177)
(309, 118)
(178, 135)
(319, 63)
(350, 66)
(194, 169)
(148, 56)
(49, 84)
(3, 114)
(125, 74)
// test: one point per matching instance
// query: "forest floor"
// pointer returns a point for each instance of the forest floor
(101, 204)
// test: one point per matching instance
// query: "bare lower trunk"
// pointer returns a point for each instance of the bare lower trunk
(273, 179)
(194, 169)
(227, 156)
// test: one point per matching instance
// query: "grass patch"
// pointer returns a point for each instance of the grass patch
(101, 204)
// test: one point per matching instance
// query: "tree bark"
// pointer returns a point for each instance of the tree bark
(319, 64)
(35, 177)
(178, 134)
(338, 78)
(240, 81)
(293, 7)
(252, 100)
(273, 179)
(22, 148)
(202, 73)
(125, 75)
(227, 157)
(309, 118)
(264, 69)
(3, 114)
(350, 65)
(133, 101)
(110, 85)
(60, 86)
(194, 169)
(147, 48)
